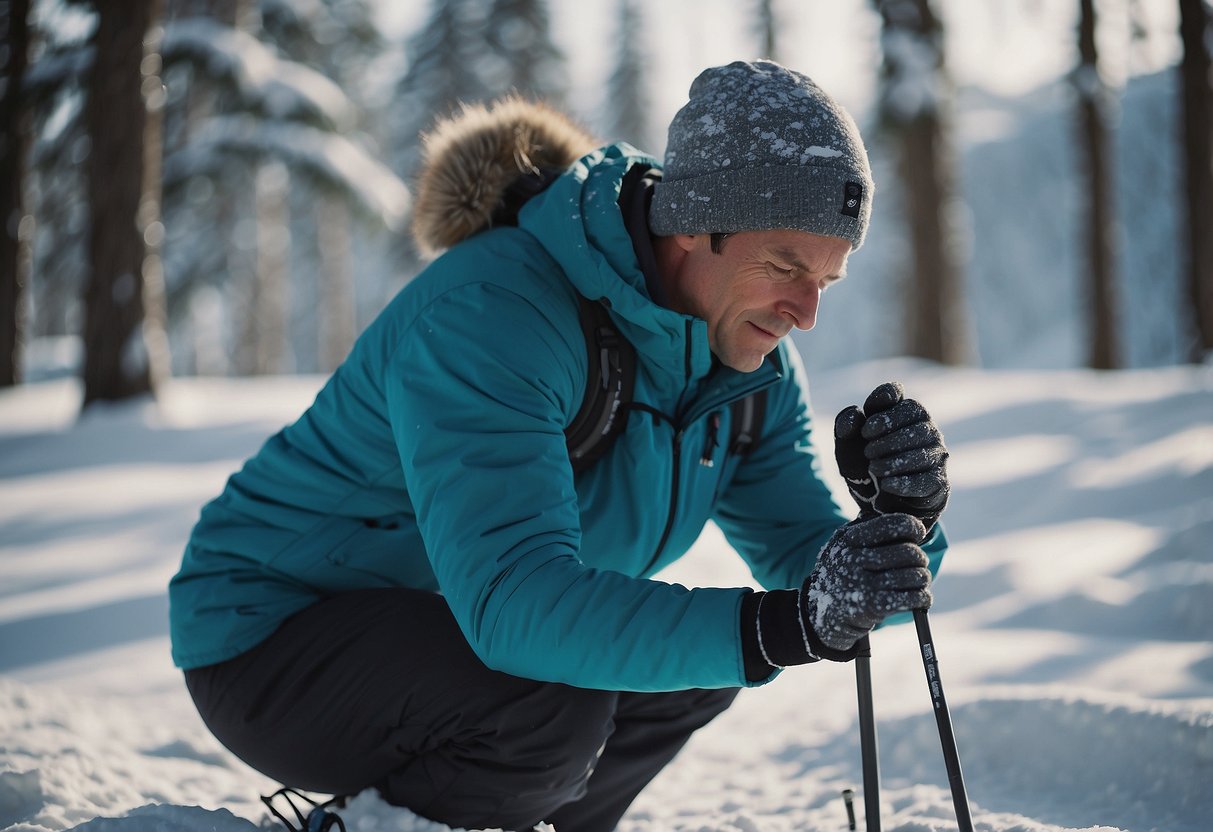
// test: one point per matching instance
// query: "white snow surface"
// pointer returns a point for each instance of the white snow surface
(1073, 621)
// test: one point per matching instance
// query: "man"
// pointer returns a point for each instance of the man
(412, 589)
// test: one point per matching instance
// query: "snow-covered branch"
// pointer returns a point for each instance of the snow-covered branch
(281, 89)
(332, 159)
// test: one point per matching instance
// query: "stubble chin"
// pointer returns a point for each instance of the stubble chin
(746, 361)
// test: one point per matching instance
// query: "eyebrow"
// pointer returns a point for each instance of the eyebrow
(789, 257)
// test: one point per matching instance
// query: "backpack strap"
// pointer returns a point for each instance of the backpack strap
(610, 380)
(746, 425)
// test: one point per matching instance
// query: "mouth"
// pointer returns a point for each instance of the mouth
(765, 331)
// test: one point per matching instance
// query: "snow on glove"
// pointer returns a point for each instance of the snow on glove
(870, 569)
(892, 456)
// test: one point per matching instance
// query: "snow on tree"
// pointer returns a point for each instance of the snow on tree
(244, 104)
(326, 158)
(466, 51)
(54, 93)
(338, 38)
(442, 72)
(211, 69)
(261, 82)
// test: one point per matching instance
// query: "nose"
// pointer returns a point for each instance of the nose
(800, 304)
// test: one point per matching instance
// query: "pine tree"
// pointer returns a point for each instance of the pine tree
(53, 93)
(242, 108)
(524, 58)
(442, 72)
(340, 40)
(627, 104)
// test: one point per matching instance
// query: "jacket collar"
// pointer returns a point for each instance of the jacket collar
(603, 245)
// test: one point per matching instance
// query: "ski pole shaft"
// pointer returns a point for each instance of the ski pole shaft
(867, 737)
(951, 756)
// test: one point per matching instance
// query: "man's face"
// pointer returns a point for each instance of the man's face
(760, 286)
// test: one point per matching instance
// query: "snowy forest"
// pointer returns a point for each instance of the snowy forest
(222, 188)
(204, 202)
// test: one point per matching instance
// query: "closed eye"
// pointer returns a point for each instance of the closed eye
(779, 273)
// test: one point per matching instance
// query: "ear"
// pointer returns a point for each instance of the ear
(687, 242)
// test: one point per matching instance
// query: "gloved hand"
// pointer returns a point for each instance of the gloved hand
(870, 569)
(892, 456)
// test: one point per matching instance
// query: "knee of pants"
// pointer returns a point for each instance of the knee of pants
(535, 754)
(562, 735)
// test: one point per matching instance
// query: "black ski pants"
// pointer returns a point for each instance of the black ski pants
(378, 688)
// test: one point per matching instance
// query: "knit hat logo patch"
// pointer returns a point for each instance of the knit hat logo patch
(852, 199)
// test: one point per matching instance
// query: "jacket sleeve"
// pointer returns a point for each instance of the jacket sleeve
(777, 511)
(478, 415)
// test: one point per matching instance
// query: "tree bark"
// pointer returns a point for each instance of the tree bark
(15, 223)
(125, 349)
(1104, 349)
(918, 109)
(271, 309)
(338, 317)
(938, 327)
(767, 25)
(1196, 84)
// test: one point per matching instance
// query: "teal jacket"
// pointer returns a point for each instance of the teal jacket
(435, 458)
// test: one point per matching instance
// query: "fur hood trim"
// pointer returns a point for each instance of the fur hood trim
(473, 156)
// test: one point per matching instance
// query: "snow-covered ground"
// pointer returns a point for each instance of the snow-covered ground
(1073, 620)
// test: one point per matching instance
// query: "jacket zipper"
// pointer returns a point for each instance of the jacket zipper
(674, 486)
(676, 476)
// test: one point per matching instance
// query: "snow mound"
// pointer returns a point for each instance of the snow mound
(1077, 757)
(68, 760)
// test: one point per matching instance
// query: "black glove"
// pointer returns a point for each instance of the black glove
(870, 569)
(892, 456)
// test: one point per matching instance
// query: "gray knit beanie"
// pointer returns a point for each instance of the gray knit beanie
(760, 147)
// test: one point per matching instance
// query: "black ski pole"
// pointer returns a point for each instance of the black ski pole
(867, 736)
(951, 757)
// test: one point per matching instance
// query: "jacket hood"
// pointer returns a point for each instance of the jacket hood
(471, 159)
(516, 162)
(578, 221)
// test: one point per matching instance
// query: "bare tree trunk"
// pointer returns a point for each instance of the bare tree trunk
(125, 348)
(917, 105)
(1196, 77)
(767, 24)
(1095, 148)
(338, 318)
(257, 282)
(938, 328)
(15, 224)
(271, 307)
